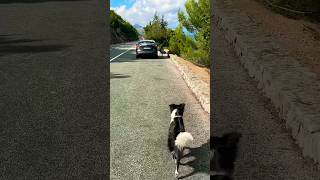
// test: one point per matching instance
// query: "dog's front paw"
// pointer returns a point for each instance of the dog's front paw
(176, 174)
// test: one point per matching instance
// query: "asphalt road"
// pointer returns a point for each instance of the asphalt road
(54, 89)
(118, 49)
(140, 93)
(266, 149)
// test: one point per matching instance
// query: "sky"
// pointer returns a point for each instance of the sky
(141, 11)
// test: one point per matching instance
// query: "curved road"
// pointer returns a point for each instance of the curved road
(140, 93)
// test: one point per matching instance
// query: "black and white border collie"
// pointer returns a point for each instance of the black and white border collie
(223, 155)
(178, 138)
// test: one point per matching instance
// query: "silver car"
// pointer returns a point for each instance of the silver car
(147, 47)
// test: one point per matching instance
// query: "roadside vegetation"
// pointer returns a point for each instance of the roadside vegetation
(196, 21)
(121, 30)
(157, 30)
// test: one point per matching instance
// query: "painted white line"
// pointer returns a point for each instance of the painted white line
(119, 55)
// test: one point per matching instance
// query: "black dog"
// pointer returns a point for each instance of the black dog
(178, 139)
(224, 153)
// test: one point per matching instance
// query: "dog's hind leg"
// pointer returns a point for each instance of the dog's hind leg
(177, 161)
(173, 155)
(176, 173)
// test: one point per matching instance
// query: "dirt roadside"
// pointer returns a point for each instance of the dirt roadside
(202, 72)
(197, 78)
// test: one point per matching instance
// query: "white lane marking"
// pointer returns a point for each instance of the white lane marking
(119, 55)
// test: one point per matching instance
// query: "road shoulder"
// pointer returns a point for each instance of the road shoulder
(291, 87)
(266, 149)
(197, 79)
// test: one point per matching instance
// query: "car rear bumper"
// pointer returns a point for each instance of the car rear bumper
(142, 52)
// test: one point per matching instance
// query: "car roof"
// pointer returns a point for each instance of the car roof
(146, 41)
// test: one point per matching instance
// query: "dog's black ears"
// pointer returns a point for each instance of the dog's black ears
(182, 106)
(172, 107)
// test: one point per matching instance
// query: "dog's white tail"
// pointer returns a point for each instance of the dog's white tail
(184, 139)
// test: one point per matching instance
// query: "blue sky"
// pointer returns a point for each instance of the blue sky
(117, 3)
(141, 11)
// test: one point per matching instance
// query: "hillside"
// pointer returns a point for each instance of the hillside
(139, 28)
(121, 30)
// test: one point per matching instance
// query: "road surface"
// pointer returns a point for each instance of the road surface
(266, 149)
(140, 93)
(53, 89)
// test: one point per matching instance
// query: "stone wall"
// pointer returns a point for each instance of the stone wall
(292, 88)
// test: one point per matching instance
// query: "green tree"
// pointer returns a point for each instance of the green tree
(157, 30)
(197, 21)
(177, 41)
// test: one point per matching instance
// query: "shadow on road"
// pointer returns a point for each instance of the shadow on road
(162, 56)
(112, 76)
(159, 57)
(131, 57)
(225, 152)
(31, 1)
(201, 162)
(9, 45)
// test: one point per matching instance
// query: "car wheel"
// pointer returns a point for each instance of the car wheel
(137, 56)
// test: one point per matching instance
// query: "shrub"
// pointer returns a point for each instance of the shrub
(197, 21)
(176, 42)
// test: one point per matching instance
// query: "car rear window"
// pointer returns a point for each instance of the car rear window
(146, 42)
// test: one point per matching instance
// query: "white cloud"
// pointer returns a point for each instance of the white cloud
(142, 11)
